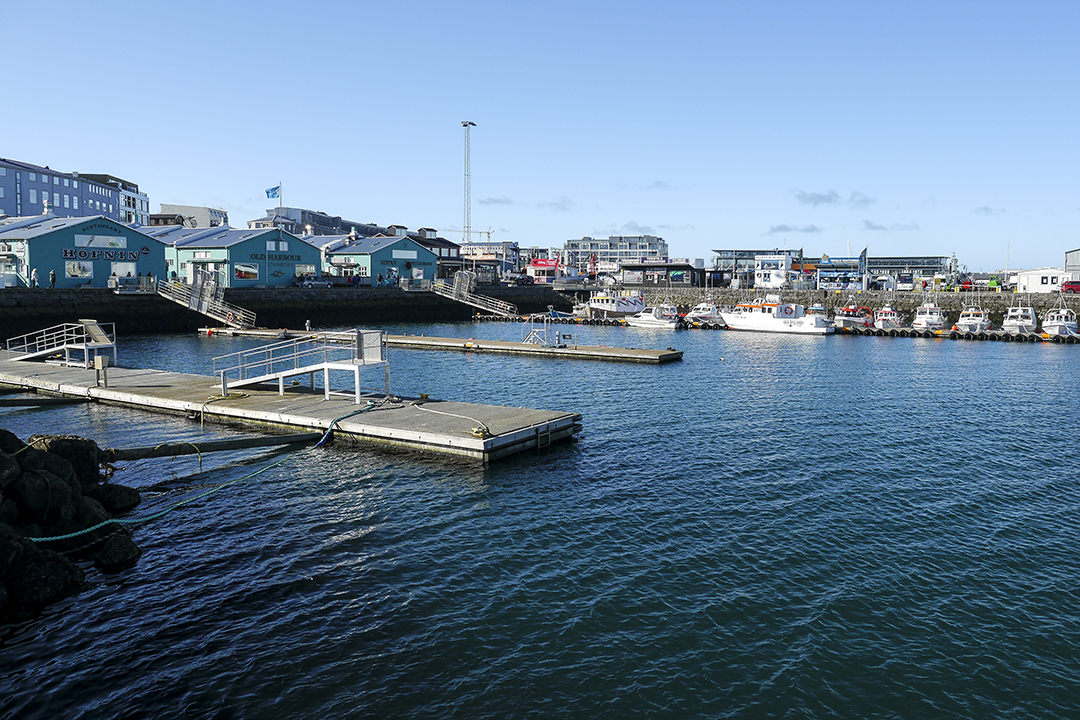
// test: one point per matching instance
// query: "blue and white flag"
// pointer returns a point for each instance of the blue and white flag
(273, 192)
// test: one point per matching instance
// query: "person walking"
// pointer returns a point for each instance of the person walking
(52, 278)
(33, 278)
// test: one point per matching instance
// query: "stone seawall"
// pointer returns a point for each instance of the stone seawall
(23, 310)
(905, 302)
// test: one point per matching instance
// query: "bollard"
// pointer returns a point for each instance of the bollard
(101, 370)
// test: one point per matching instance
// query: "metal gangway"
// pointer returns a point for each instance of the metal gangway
(464, 291)
(351, 351)
(206, 295)
(88, 337)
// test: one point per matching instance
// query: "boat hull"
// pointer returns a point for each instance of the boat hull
(806, 325)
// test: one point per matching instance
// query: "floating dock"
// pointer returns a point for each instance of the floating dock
(421, 342)
(476, 432)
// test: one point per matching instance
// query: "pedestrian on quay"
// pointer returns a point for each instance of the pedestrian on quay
(33, 278)
(52, 278)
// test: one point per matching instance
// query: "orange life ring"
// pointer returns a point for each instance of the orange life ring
(788, 310)
(230, 317)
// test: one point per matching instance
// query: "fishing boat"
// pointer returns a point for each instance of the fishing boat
(888, 318)
(771, 314)
(611, 304)
(973, 319)
(853, 315)
(1020, 319)
(930, 316)
(655, 316)
(1060, 321)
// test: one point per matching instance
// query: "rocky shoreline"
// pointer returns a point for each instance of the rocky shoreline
(54, 485)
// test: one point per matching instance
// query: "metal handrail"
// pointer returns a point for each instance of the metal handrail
(352, 347)
(58, 336)
(499, 307)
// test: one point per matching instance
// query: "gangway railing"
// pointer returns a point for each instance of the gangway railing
(543, 335)
(322, 352)
(86, 336)
(458, 293)
(208, 302)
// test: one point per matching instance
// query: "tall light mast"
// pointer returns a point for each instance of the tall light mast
(467, 124)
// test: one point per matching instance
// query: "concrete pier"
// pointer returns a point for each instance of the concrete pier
(466, 430)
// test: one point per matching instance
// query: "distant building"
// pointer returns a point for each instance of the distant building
(369, 259)
(25, 189)
(300, 221)
(1040, 280)
(1072, 264)
(243, 257)
(616, 249)
(197, 216)
(502, 257)
(674, 274)
(739, 267)
(82, 251)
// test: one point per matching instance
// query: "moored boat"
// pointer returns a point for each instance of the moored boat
(612, 304)
(888, 318)
(973, 319)
(771, 314)
(929, 316)
(704, 312)
(1060, 321)
(853, 315)
(663, 315)
(1020, 319)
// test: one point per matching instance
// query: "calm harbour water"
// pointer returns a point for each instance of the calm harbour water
(775, 527)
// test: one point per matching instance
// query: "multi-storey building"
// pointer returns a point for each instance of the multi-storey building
(26, 189)
(615, 250)
(196, 215)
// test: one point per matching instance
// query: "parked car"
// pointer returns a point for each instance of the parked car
(521, 280)
(310, 281)
(1070, 286)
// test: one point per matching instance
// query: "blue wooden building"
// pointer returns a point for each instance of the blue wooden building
(368, 258)
(80, 251)
(268, 257)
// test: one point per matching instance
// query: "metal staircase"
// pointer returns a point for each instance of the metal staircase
(205, 295)
(89, 337)
(319, 352)
(463, 291)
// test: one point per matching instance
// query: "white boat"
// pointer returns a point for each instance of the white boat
(771, 314)
(655, 316)
(888, 318)
(853, 315)
(820, 310)
(929, 316)
(612, 304)
(973, 319)
(1060, 321)
(704, 312)
(1020, 319)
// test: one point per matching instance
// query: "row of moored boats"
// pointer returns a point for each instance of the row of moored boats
(771, 314)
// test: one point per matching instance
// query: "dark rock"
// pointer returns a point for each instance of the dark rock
(83, 455)
(31, 493)
(35, 577)
(118, 552)
(116, 499)
(9, 511)
(9, 469)
(10, 442)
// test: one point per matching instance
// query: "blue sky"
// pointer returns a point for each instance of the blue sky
(907, 127)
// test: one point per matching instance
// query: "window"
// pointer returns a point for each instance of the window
(33, 176)
(283, 246)
(56, 199)
(74, 201)
(1, 191)
(75, 184)
(66, 183)
(33, 196)
(271, 245)
(56, 180)
(67, 201)
(1044, 279)
(3, 171)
